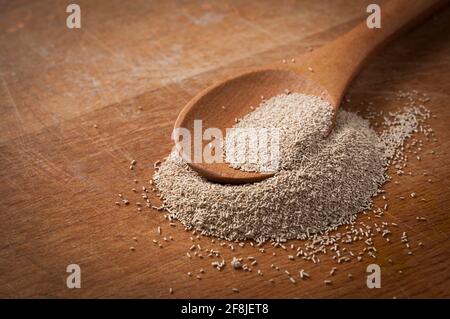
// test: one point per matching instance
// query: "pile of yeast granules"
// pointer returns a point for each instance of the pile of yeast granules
(322, 182)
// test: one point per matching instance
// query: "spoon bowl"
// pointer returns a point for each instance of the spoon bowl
(220, 105)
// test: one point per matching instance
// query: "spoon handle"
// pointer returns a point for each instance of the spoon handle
(336, 64)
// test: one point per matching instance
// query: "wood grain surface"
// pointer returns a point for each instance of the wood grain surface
(129, 70)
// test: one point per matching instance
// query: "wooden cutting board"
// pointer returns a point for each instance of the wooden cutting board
(79, 105)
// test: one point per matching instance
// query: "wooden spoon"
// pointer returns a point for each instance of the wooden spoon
(325, 72)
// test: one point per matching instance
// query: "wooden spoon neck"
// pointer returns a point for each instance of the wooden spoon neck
(335, 65)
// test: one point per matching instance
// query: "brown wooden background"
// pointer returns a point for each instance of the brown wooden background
(60, 176)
